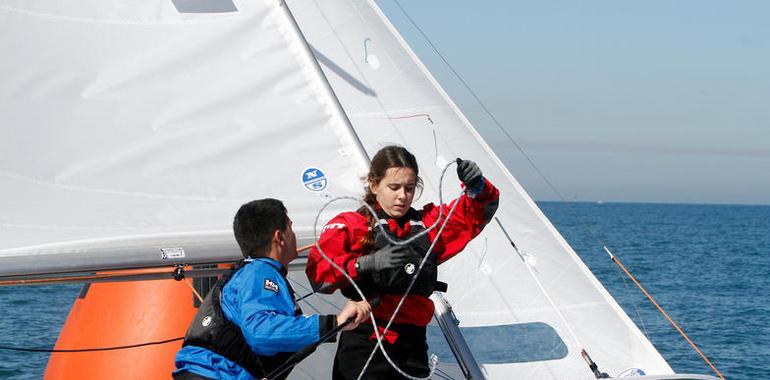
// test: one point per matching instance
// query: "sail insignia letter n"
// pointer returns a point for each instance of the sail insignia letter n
(314, 179)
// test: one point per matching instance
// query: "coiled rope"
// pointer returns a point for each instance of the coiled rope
(434, 358)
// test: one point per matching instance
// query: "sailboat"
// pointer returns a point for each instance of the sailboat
(133, 131)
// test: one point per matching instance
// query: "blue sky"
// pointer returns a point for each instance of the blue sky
(648, 101)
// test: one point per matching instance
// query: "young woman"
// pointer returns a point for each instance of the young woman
(383, 270)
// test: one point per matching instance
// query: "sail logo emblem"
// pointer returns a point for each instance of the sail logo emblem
(314, 179)
(206, 321)
(409, 268)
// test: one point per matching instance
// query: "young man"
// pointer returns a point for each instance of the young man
(249, 323)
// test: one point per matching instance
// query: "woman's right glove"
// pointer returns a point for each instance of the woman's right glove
(390, 257)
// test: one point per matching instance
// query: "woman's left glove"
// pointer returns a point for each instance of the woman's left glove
(469, 173)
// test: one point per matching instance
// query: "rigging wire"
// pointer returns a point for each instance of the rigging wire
(670, 320)
(477, 99)
(311, 292)
(635, 303)
(443, 374)
(492, 117)
(544, 178)
(540, 285)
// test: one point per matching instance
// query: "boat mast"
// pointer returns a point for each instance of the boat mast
(337, 109)
(449, 325)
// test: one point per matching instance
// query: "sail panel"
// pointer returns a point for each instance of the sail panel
(128, 121)
(391, 98)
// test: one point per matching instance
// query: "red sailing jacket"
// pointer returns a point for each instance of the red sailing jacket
(341, 241)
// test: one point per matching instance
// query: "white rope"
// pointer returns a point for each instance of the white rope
(403, 298)
(433, 360)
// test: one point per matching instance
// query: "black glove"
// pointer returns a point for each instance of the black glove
(392, 256)
(469, 173)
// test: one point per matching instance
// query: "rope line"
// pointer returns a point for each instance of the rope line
(197, 295)
(670, 320)
(89, 349)
(408, 290)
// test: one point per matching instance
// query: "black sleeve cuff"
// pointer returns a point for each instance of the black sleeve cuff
(327, 323)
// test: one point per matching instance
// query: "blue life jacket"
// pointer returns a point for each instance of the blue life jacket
(255, 299)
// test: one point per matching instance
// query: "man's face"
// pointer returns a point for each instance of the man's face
(289, 251)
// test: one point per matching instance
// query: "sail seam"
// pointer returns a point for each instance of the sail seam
(400, 111)
(118, 22)
(76, 228)
(113, 192)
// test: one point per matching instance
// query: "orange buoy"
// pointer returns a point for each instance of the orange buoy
(121, 314)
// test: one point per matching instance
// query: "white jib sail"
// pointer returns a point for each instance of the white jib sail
(132, 127)
(391, 98)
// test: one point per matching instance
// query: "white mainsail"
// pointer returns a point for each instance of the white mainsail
(128, 128)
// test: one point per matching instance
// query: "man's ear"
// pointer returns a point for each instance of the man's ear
(278, 237)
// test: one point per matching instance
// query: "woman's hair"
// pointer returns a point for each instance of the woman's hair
(391, 156)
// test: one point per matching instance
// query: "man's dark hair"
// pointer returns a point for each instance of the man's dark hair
(256, 222)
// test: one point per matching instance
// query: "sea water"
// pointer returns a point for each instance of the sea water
(708, 266)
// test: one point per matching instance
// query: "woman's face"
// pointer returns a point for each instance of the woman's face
(395, 192)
